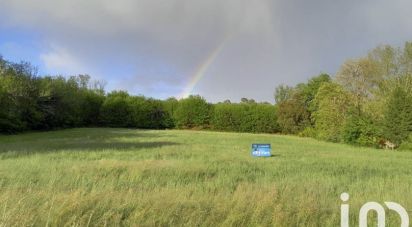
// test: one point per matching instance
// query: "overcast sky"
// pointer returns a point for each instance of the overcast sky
(155, 47)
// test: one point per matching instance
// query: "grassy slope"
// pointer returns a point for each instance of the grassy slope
(136, 177)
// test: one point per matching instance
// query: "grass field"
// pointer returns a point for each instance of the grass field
(121, 177)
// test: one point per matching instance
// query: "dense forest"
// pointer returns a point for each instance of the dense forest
(368, 103)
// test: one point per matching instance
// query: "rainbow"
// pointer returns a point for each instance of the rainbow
(202, 69)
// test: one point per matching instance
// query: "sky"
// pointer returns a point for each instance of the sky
(219, 49)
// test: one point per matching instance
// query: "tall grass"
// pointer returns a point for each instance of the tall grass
(121, 177)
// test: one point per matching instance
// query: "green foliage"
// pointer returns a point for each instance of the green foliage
(29, 102)
(19, 92)
(193, 112)
(361, 130)
(116, 111)
(333, 103)
(283, 93)
(92, 102)
(247, 101)
(122, 110)
(9, 121)
(360, 77)
(149, 113)
(398, 116)
(386, 60)
(310, 89)
(245, 117)
(407, 144)
(368, 101)
(265, 118)
(308, 132)
(68, 102)
(293, 115)
(296, 105)
(170, 106)
(227, 117)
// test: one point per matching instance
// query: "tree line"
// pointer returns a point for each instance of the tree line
(32, 102)
(367, 103)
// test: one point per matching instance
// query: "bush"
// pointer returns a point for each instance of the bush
(245, 117)
(264, 118)
(292, 114)
(116, 111)
(193, 112)
(407, 144)
(227, 117)
(361, 130)
(308, 132)
(149, 113)
(122, 110)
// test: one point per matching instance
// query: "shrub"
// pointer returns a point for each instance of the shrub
(245, 117)
(265, 118)
(193, 112)
(308, 132)
(407, 144)
(227, 117)
(361, 130)
(292, 114)
(116, 111)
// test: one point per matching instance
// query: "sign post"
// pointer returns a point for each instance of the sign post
(261, 150)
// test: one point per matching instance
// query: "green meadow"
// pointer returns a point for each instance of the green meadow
(124, 177)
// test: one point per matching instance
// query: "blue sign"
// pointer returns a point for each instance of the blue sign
(261, 150)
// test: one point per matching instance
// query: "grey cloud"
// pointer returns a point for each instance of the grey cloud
(271, 42)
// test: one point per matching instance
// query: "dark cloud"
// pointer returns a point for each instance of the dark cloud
(154, 47)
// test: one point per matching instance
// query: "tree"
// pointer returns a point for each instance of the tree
(170, 106)
(193, 112)
(360, 78)
(292, 114)
(310, 90)
(91, 104)
(246, 100)
(295, 105)
(9, 121)
(245, 117)
(398, 116)
(283, 93)
(333, 105)
(387, 61)
(265, 118)
(20, 91)
(406, 59)
(148, 113)
(29, 102)
(158, 117)
(227, 117)
(361, 130)
(116, 111)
